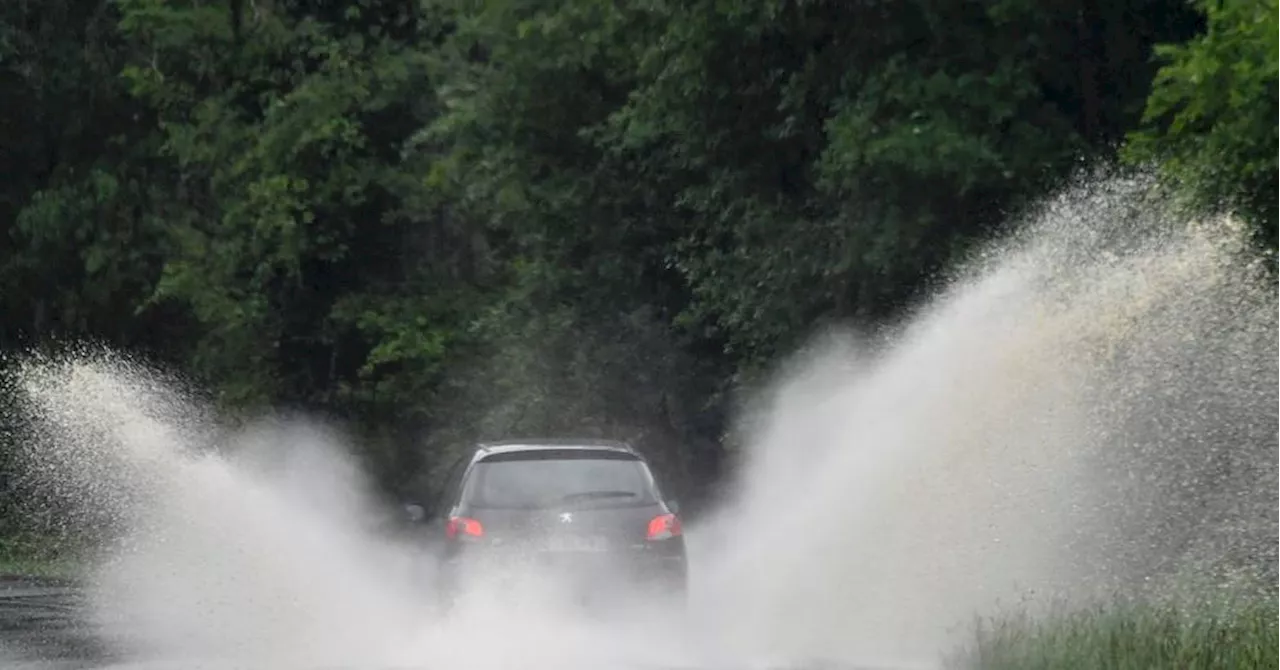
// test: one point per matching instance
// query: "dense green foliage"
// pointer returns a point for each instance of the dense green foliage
(447, 219)
(1209, 116)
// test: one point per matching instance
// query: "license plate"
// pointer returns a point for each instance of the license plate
(577, 543)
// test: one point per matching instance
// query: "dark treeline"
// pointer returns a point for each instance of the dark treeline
(437, 220)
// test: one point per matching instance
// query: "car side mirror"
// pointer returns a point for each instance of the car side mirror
(674, 506)
(415, 512)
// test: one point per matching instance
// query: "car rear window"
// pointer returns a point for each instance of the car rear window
(558, 478)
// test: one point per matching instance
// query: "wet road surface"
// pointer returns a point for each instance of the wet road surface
(41, 628)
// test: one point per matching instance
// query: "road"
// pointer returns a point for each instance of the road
(41, 628)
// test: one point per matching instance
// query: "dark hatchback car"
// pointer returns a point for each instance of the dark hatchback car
(588, 514)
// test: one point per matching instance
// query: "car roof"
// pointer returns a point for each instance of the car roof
(488, 448)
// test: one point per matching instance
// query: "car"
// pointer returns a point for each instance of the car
(589, 514)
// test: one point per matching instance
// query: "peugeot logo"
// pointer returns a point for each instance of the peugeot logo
(566, 518)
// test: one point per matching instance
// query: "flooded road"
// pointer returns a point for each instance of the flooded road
(41, 627)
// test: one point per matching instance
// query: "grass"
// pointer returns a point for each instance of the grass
(1132, 636)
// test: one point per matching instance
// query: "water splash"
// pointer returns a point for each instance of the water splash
(1089, 408)
(260, 546)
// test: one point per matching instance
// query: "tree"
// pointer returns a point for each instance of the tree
(1211, 115)
(449, 220)
(80, 227)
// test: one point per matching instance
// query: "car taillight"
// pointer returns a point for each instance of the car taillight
(664, 527)
(462, 526)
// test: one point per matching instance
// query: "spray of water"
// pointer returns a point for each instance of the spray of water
(259, 546)
(1089, 408)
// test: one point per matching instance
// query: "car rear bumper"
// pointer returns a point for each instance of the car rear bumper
(644, 570)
